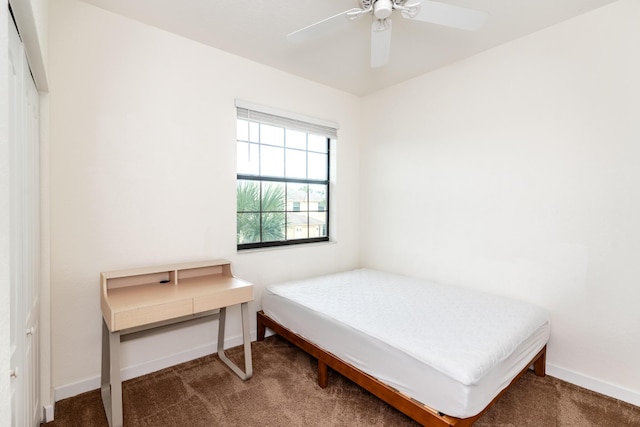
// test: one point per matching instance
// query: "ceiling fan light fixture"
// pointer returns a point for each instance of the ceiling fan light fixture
(382, 9)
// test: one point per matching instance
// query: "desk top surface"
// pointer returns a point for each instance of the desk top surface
(167, 292)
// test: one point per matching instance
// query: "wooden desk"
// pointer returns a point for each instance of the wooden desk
(136, 300)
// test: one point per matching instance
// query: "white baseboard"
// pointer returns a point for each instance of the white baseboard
(73, 389)
(594, 384)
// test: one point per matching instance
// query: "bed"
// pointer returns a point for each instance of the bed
(440, 354)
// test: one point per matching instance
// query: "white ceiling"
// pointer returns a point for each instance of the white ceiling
(257, 29)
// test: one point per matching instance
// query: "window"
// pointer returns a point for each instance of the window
(283, 166)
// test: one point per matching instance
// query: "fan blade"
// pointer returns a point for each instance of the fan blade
(380, 42)
(325, 26)
(449, 15)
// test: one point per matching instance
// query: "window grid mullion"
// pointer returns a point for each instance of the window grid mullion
(261, 211)
(286, 181)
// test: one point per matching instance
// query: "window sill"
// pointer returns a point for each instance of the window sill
(285, 247)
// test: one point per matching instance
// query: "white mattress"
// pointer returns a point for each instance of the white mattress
(449, 348)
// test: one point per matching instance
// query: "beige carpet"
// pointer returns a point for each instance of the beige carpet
(283, 392)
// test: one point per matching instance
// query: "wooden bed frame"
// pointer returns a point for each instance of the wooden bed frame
(417, 411)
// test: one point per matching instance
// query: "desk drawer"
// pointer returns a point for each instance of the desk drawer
(223, 299)
(155, 313)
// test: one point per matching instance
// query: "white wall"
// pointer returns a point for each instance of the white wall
(142, 134)
(516, 172)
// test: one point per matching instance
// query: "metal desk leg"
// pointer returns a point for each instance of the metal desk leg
(111, 383)
(247, 343)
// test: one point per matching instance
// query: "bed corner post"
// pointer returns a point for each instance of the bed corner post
(323, 374)
(261, 327)
(540, 364)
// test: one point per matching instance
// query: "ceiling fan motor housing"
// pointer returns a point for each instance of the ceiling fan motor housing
(382, 8)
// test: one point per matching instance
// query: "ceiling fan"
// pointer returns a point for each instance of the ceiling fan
(381, 10)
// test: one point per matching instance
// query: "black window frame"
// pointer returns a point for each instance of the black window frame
(286, 240)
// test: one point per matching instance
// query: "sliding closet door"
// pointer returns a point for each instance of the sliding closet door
(31, 250)
(25, 237)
